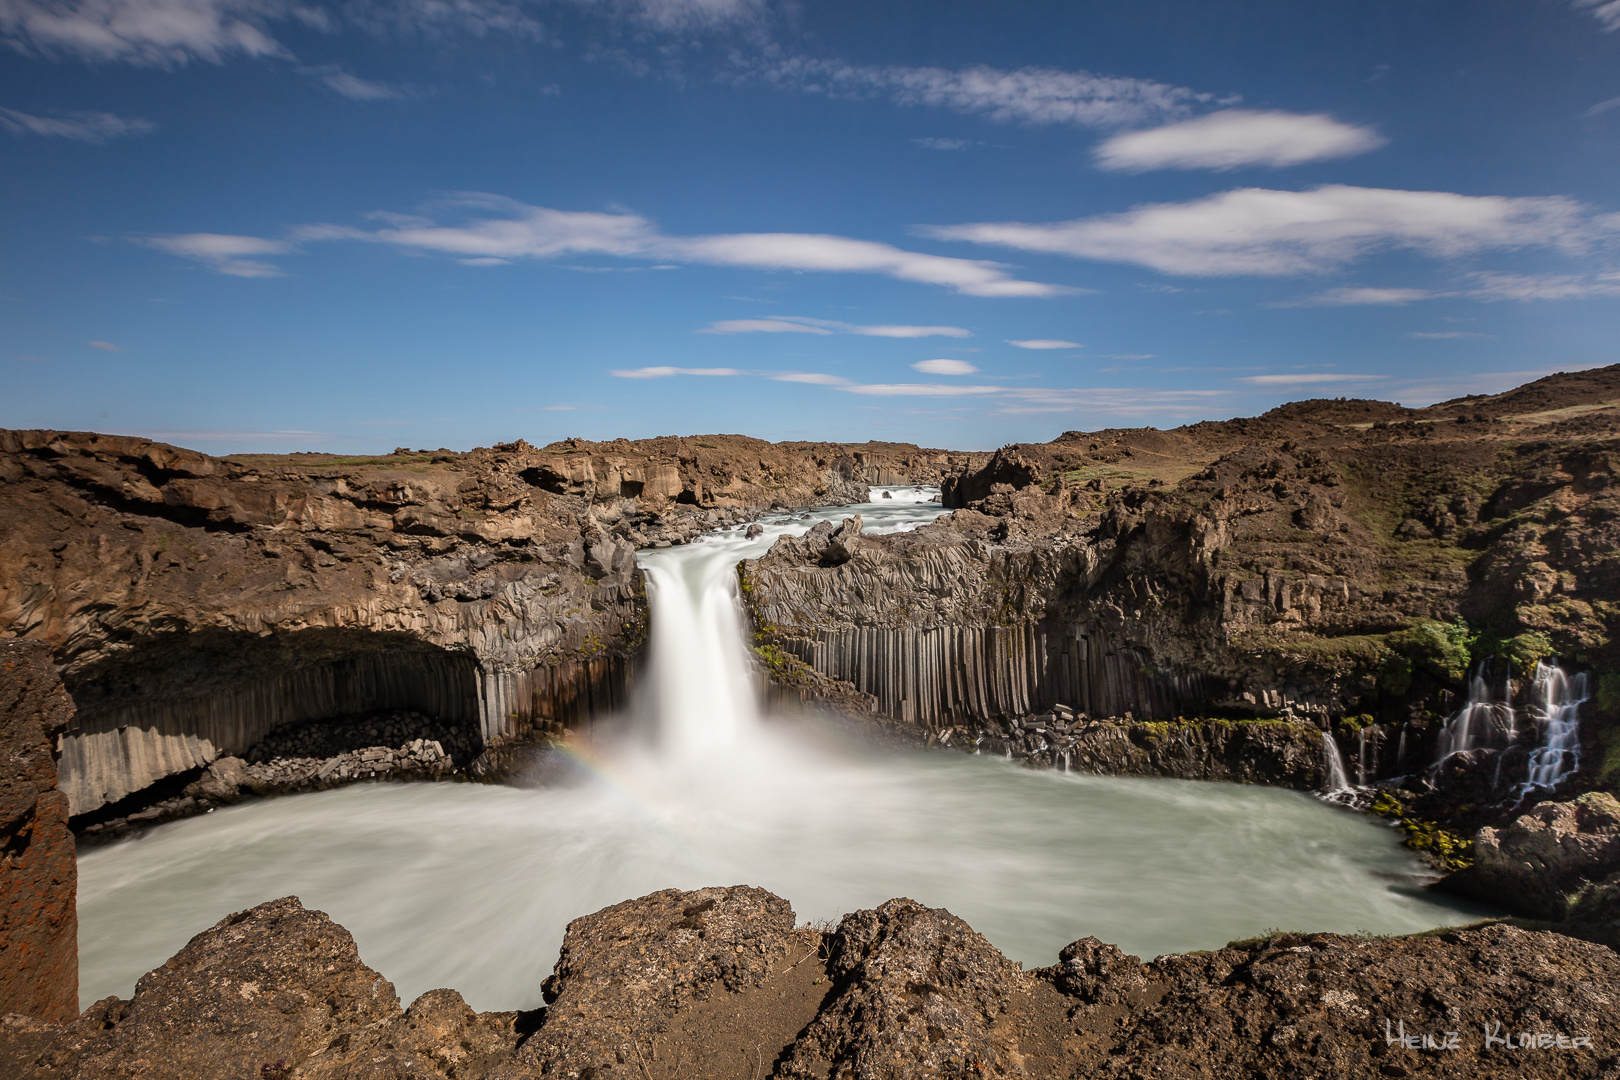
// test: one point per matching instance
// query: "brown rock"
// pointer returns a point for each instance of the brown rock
(39, 923)
(1551, 863)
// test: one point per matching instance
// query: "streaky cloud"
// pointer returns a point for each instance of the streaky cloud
(87, 127)
(1233, 138)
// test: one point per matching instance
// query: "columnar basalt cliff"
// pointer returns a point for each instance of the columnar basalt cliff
(1328, 562)
(195, 603)
(39, 958)
(718, 983)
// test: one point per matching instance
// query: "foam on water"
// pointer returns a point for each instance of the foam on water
(471, 886)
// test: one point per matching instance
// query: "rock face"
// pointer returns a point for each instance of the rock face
(1559, 861)
(716, 983)
(39, 922)
(1307, 564)
(195, 603)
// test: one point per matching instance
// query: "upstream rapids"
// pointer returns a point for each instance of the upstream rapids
(471, 886)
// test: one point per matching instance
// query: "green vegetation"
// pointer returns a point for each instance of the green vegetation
(1442, 649)
(1442, 847)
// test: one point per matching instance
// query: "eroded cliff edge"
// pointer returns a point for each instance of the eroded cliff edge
(194, 604)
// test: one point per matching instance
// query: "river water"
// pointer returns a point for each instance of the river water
(471, 886)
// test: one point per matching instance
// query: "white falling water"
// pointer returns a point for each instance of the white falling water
(1338, 788)
(1555, 704)
(1485, 719)
(1361, 757)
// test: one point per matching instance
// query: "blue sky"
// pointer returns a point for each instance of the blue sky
(279, 225)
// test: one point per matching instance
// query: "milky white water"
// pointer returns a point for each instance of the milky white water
(471, 886)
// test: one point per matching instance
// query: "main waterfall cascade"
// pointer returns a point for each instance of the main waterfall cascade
(471, 886)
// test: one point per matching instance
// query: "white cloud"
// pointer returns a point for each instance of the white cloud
(1358, 296)
(1447, 335)
(943, 144)
(90, 127)
(506, 230)
(1500, 286)
(921, 390)
(666, 372)
(226, 254)
(1026, 95)
(1233, 138)
(1263, 232)
(790, 324)
(687, 14)
(1128, 356)
(761, 326)
(1606, 12)
(813, 378)
(105, 346)
(354, 87)
(1046, 343)
(1604, 106)
(152, 32)
(944, 367)
(1306, 378)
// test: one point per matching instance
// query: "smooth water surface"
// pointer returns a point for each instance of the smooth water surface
(471, 886)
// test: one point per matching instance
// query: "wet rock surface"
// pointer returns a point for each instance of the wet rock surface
(717, 983)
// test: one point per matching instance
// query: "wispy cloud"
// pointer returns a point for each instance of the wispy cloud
(1604, 106)
(353, 86)
(944, 366)
(105, 346)
(1128, 356)
(1045, 343)
(1031, 95)
(160, 33)
(799, 324)
(944, 144)
(89, 127)
(496, 230)
(1493, 285)
(1606, 12)
(1256, 231)
(1447, 335)
(1232, 138)
(1359, 296)
(667, 372)
(224, 253)
(1306, 378)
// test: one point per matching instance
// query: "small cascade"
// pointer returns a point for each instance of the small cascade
(1400, 749)
(1361, 757)
(1485, 719)
(1556, 700)
(1338, 788)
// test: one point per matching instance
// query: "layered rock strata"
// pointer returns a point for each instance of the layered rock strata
(717, 983)
(193, 603)
(39, 923)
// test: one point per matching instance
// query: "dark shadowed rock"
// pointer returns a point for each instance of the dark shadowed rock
(626, 970)
(39, 925)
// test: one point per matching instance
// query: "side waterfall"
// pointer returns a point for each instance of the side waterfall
(1556, 700)
(1338, 788)
(1486, 718)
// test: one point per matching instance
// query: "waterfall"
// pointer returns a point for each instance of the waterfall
(1556, 700)
(1485, 718)
(1361, 757)
(1338, 788)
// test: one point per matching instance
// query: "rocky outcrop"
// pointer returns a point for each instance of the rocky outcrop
(718, 984)
(1560, 861)
(39, 923)
(195, 603)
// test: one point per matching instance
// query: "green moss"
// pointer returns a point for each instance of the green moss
(1349, 725)
(1608, 692)
(1444, 848)
(1442, 649)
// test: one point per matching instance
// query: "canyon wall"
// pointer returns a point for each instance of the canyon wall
(194, 604)
(1329, 561)
(39, 922)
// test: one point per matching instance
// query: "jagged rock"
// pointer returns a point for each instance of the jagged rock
(627, 969)
(226, 780)
(916, 993)
(755, 530)
(1100, 974)
(39, 924)
(1559, 861)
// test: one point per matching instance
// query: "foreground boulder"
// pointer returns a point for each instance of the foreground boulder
(717, 984)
